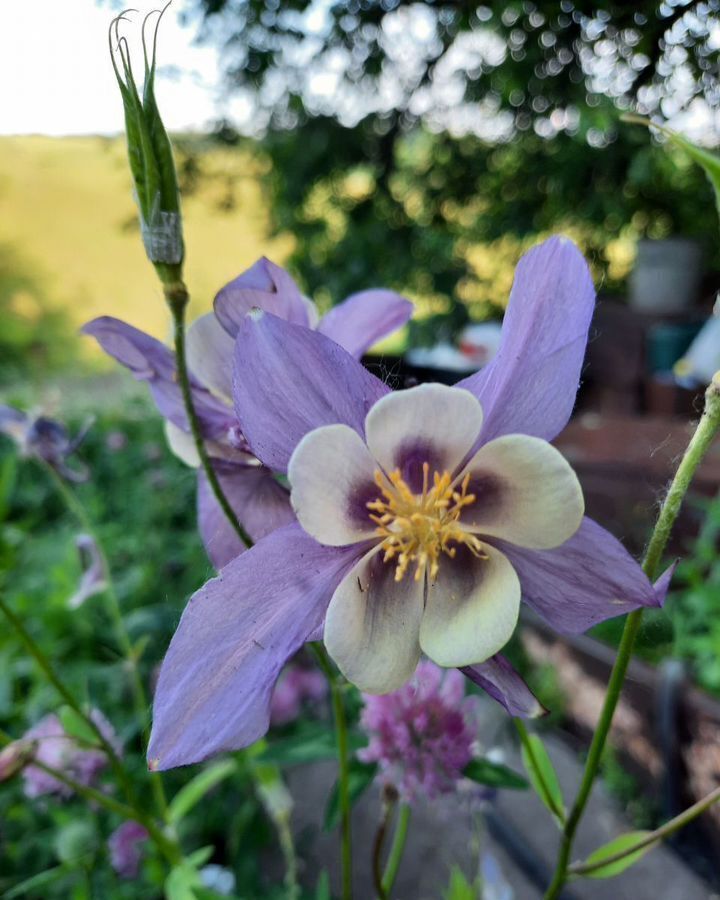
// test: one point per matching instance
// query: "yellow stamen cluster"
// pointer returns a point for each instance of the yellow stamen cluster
(419, 528)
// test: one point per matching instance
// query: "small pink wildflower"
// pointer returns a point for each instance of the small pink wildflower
(125, 848)
(57, 749)
(296, 686)
(422, 734)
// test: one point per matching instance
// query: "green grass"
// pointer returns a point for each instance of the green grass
(66, 209)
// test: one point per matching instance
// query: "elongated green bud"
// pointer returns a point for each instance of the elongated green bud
(149, 154)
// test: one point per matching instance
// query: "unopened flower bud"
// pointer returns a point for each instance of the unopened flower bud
(150, 154)
(15, 757)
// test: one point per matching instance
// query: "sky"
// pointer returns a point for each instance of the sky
(56, 77)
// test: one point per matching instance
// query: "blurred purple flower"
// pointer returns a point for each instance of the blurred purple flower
(94, 577)
(261, 503)
(513, 530)
(126, 850)
(44, 439)
(58, 750)
(296, 686)
(421, 735)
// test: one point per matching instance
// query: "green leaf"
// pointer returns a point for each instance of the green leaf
(322, 889)
(33, 884)
(199, 857)
(709, 162)
(543, 776)
(360, 777)
(193, 792)
(613, 847)
(76, 726)
(182, 881)
(483, 771)
(459, 887)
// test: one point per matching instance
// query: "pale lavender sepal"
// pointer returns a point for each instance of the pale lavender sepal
(530, 386)
(265, 286)
(237, 632)
(365, 318)
(588, 579)
(289, 380)
(261, 504)
(497, 677)
(153, 362)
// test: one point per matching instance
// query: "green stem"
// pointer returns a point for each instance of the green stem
(177, 297)
(537, 769)
(60, 687)
(164, 844)
(76, 508)
(389, 802)
(697, 448)
(341, 733)
(666, 830)
(398, 846)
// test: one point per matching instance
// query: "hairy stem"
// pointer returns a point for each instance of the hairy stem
(697, 448)
(336, 692)
(177, 297)
(664, 831)
(397, 848)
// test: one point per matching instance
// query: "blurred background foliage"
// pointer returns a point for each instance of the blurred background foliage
(425, 145)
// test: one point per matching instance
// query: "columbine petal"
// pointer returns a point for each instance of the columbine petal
(530, 385)
(332, 477)
(237, 632)
(372, 626)
(151, 361)
(260, 503)
(289, 381)
(263, 285)
(471, 609)
(365, 318)
(210, 355)
(432, 424)
(498, 678)
(526, 493)
(588, 579)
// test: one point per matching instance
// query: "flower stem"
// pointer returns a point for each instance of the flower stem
(398, 846)
(664, 831)
(52, 676)
(76, 508)
(177, 297)
(697, 448)
(92, 795)
(336, 693)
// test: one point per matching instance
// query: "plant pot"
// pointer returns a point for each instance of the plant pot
(666, 277)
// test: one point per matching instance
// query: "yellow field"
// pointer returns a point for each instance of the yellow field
(66, 208)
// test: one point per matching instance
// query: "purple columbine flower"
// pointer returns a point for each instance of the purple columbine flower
(261, 503)
(58, 750)
(421, 735)
(298, 685)
(44, 438)
(125, 846)
(425, 516)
